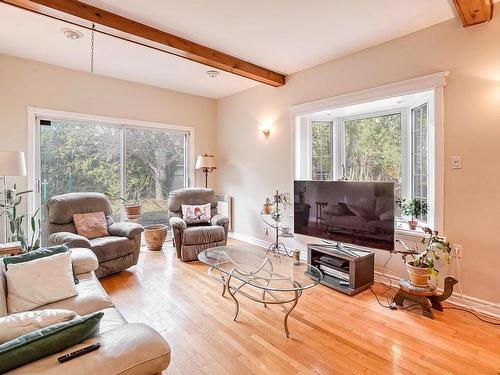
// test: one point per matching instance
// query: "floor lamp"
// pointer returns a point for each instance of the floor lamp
(12, 163)
(206, 163)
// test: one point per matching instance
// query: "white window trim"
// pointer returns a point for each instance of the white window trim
(435, 82)
(33, 113)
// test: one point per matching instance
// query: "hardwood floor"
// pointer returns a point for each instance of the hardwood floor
(330, 333)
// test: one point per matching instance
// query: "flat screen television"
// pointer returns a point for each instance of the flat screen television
(358, 213)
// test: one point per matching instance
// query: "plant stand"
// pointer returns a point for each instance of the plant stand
(426, 297)
(279, 233)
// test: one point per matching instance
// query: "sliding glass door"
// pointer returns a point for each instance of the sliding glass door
(117, 160)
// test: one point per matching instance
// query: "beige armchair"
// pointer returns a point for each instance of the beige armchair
(190, 240)
(116, 252)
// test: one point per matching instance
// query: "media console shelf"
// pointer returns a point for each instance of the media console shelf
(354, 268)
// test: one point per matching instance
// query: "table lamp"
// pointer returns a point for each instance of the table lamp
(206, 163)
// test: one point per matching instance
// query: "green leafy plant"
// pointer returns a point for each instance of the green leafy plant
(135, 198)
(436, 247)
(415, 208)
(17, 222)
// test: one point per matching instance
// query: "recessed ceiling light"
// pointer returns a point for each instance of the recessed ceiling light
(72, 34)
(212, 73)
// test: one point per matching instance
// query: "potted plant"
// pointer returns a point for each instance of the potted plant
(268, 206)
(16, 221)
(133, 205)
(423, 264)
(414, 208)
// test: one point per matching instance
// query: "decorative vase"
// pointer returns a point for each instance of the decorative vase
(132, 212)
(419, 276)
(155, 236)
(413, 224)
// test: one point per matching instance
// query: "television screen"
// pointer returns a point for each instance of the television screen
(359, 213)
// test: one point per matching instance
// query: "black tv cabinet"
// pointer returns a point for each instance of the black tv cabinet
(358, 270)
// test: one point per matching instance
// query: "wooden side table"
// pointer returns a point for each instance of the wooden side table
(11, 248)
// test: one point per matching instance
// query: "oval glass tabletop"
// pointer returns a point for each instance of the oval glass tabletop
(260, 268)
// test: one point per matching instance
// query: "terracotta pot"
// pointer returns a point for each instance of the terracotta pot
(155, 236)
(268, 208)
(413, 224)
(419, 276)
(133, 211)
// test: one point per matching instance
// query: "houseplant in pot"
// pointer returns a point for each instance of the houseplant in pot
(422, 265)
(132, 206)
(414, 208)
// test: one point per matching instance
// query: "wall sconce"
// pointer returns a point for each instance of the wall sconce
(266, 130)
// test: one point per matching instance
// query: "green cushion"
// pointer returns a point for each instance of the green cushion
(37, 254)
(47, 341)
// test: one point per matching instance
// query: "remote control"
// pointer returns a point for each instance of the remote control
(78, 353)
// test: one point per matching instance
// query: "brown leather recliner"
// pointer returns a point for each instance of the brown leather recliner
(190, 240)
(116, 252)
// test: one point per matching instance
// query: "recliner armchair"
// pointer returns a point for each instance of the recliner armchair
(190, 240)
(116, 252)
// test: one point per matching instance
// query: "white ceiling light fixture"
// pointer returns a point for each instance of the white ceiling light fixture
(72, 34)
(212, 73)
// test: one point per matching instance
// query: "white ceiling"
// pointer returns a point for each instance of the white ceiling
(284, 35)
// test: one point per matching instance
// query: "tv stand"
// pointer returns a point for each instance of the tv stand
(349, 270)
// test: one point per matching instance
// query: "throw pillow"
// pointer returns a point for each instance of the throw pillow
(47, 341)
(36, 254)
(15, 325)
(91, 225)
(38, 282)
(197, 213)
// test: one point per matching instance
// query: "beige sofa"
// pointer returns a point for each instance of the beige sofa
(116, 252)
(126, 348)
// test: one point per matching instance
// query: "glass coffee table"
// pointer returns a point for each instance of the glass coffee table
(262, 276)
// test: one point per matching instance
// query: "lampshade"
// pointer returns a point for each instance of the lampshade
(12, 163)
(205, 161)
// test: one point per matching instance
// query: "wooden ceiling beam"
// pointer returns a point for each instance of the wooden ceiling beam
(66, 10)
(474, 12)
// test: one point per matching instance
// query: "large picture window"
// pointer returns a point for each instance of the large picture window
(373, 142)
(118, 161)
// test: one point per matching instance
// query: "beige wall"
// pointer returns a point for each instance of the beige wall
(250, 168)
(27, 83)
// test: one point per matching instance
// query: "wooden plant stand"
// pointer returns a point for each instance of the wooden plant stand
(425, 296)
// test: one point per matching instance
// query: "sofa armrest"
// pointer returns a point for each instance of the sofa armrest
(83, 260)
(219, 220)
(129, 230)
(70, 239)
(177, 223)
(129, 349)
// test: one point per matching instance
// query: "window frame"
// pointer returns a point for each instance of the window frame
(332, 142)
(407, 168)
(34, 114)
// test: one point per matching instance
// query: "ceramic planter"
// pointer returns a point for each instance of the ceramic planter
(413, 224)
(132, 211)
(418, 276)
(268, 208)
(155, 236)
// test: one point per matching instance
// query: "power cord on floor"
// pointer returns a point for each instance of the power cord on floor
(393, 306)
(390, 305)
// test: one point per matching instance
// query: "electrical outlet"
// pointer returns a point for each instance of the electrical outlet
(266, 231)
(458, 250)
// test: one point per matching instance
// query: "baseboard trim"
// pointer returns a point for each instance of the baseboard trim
(456, 299)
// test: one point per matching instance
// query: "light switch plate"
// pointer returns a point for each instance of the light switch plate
(456, 162)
